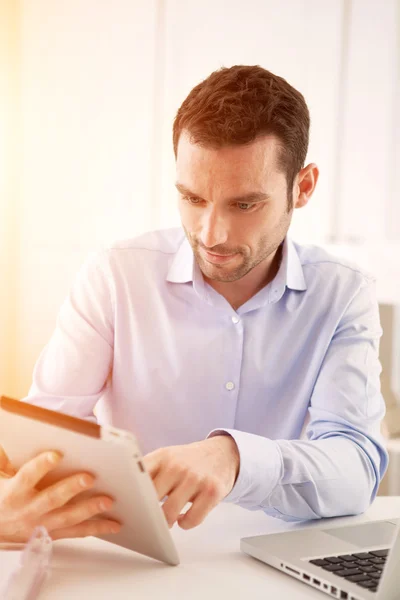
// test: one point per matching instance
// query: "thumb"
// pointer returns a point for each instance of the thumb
(5, 465)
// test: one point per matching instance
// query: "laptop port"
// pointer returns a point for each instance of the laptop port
(344, 595)
(333, 590)
(316, 582)
(306, 577)
(291, 570)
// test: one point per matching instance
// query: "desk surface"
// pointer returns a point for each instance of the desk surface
(211, 562)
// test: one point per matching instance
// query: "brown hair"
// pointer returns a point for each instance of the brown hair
(236, 105)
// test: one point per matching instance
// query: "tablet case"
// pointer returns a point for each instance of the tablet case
(111, 455)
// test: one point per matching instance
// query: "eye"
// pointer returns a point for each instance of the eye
(245, 206)
(191, 199)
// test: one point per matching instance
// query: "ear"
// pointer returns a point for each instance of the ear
(305, 185)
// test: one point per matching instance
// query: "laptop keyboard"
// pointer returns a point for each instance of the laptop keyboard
(364, 568)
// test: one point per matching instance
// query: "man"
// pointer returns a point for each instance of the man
(217, 344)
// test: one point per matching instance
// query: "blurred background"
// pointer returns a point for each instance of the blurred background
(88, 93)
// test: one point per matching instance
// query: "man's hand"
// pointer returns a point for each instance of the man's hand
(23, 507)
(202, 473)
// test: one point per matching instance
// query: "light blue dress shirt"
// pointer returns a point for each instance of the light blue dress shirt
(292, 375)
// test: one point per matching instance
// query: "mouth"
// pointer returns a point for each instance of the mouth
(218, 259)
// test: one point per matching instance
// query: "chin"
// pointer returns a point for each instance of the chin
(220, 274)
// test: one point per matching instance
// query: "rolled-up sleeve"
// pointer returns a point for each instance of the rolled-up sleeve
(337, 469)
(72, 371)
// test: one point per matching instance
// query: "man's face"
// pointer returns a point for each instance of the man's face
(233, 204)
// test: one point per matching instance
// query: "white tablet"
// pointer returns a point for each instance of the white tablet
(111, 455)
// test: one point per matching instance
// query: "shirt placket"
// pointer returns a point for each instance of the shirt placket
(232, 373)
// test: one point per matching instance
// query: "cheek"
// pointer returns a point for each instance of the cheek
(254, 228)
(185, 213)
(193, 219)
(264, 229)
(190, 221)
(272, 220)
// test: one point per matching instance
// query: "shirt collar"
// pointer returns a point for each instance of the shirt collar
(184, 269)
(183, 263)
(290, 274)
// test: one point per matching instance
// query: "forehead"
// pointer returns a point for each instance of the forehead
(253, 160)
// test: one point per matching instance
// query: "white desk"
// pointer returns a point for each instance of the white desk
(212, 565)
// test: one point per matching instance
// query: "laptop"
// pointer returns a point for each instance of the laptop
(353, 562)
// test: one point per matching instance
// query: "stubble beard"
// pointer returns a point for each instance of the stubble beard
(227, 274)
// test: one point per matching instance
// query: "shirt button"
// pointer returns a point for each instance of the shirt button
(235, 320)
(230, 385)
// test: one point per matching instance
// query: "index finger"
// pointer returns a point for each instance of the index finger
(33, 471)
(152, 462)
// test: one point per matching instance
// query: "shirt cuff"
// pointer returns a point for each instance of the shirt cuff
(260, 470)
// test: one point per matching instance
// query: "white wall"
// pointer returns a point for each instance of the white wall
(87, 105)
(100, 85)
(300, 41)
(344, 56)
(369, 165)
(9, 170)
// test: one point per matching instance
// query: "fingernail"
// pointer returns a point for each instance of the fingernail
(54, 457)
(106, 504)
(85, 481)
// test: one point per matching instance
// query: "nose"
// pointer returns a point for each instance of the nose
(214, 230)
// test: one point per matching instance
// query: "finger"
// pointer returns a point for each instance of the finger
(4, 475)
(178, 498)
(4, 460)
(93, 527)
(152, 462)
(164, 482)
(5, 465)
(58, 494)
(33, 471)
(72, 515)
(201, 506)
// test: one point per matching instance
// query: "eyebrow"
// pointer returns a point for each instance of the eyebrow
(251, 197)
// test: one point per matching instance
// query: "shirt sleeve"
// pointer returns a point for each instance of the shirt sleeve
(337, 469)
(73, 369)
